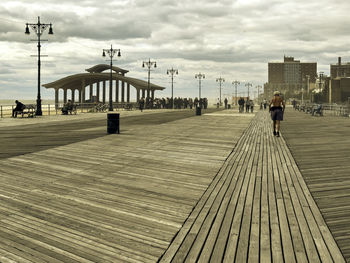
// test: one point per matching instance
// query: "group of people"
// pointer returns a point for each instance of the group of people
(68, 107)
(249, 105)
(167, 103)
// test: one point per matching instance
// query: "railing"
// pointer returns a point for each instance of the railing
(342, 110)
(52, 109)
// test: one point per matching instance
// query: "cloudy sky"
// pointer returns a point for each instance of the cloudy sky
(233, 39)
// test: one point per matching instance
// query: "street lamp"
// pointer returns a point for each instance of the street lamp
(320, 80)
(258, 87)
(199, 76)
(172, 72)
(248, 85)
(236, 83)
(149, 64)
(39, 29)
(111, 52)
(220, 80)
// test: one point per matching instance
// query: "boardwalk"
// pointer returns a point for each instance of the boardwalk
(115, 198)
(258, 208)
(321, 150)
(216, 187)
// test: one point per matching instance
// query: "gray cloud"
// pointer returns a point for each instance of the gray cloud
(235, 39)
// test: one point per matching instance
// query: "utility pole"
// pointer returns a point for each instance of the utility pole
(220, 80)
(248, 85)
(236, 83)
(172, 72)
(39, 29)
(199, 76)
(111, 52)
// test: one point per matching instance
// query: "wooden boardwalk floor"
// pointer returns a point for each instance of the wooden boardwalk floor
(257, 209)
(322, 151)
(212, 188)
(115, 198)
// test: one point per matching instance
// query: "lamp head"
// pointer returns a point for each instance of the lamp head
(119, 53)
(27, 29)
(50, 30)
(155, 65)
(143, 64)
(103, 53)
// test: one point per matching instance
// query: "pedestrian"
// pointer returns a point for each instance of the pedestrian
(141, 104)
(265, 104)
(225, 101)
(251, 103)
(277, 107)
(19, 108)
(241, 104)
(247, 106)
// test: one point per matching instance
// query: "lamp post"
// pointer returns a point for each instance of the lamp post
(172, 71)
(111, 52)
(149, 64)
(236, 83)
(199, 76)
(220, 80)
(248, 85)
(39, 29)
(258, 87)
(320, 80)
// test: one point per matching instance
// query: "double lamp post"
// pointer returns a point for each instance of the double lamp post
(111, 52)
(39, 29)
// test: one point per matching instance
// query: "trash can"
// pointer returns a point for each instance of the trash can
(198, 111)
(113, 123)
(229, 106)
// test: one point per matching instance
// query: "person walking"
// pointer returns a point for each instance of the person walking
(277, 107)
(141, 104)
(247, 105)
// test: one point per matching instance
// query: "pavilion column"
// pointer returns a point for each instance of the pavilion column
(117, 91)
(79, 91)
(137, 95)
(104, 92)
(56, 98)
(98, 92)
(73, 95)
(143, 93)
(128, 92)
(82, 94)
(65, 96)
(152, 92)
(123, 91)
(148, 93)
(91, 92)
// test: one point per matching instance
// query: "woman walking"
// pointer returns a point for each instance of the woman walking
(277, 107)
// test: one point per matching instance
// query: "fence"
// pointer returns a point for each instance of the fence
(51, 109)
(342, 110)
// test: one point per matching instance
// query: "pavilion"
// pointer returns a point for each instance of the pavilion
(95, 75)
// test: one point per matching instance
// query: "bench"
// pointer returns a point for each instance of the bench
(28, 110)
(128, 106)
(69, 109)
(317, 109)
